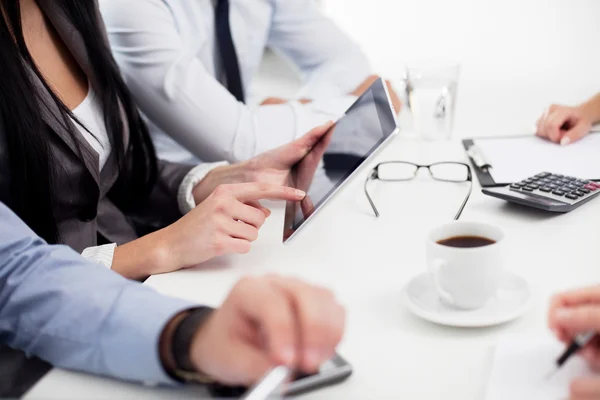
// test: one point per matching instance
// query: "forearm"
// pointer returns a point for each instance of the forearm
(146, 256)
(75, 314)
(591, 109)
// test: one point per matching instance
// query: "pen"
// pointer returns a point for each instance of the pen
(579, 342)
(270, 386)
(478, 158)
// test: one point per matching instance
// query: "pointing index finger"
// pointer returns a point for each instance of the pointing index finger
(246, 192)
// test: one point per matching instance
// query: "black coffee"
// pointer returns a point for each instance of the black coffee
(466, 241)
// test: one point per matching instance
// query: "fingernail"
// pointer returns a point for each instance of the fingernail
(300, 193)
(287, 355)
(565, 141)
(267, 212)
(563, 314)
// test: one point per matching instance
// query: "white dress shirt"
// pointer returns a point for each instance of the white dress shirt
(90, 123)
(167, 53)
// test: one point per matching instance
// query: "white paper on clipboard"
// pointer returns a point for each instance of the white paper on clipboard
(514, 159)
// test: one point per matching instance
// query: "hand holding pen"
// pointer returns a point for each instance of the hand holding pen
(574, 316)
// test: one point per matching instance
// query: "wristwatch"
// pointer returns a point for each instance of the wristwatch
(182, 342)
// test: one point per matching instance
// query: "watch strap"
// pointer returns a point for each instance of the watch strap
(184, 335)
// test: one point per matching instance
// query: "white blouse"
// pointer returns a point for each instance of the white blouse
(90, 114)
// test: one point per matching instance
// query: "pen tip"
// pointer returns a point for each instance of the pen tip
(550, 374)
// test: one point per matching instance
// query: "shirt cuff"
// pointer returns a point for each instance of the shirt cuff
(185, 197)
(102, 255)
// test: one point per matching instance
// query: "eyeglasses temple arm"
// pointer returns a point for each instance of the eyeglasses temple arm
(369, 197)
(462, 207)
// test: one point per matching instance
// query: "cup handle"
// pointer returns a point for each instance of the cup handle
(435, 270)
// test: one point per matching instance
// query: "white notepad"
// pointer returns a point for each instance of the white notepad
(520, 367)
(514, 159)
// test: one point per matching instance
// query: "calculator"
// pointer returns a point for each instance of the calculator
(547, 191)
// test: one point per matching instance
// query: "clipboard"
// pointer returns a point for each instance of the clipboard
(584, 152)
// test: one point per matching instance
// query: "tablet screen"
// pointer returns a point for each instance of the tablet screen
(363, 129)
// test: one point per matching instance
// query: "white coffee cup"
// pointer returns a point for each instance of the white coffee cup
(466, 278)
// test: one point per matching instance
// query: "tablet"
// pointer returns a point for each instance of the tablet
(364, 129)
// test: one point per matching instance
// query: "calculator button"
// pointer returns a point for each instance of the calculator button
(546, 189)
(579, 193)
(595, 184)
(558, 175)
(558, 193)
(584, 190)
(534, 186)
(528, 181)
(591, 187)
(572, 196)
(516, 186)
(543, 174)
(552, 186)
(572, 187)
(528, 189)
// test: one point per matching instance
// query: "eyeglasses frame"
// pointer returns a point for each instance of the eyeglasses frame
(374, 175)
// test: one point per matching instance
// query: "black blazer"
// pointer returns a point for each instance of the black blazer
(83, 209)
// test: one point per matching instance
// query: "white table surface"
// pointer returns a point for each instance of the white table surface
(366, 261)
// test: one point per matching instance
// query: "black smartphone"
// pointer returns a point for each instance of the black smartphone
(331, 372)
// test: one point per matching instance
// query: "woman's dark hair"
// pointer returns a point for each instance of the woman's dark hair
(30, 160)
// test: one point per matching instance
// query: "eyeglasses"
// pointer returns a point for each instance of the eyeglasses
(399, 171)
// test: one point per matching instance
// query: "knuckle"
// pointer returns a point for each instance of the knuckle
(262, 186)
(222, 204)
(554, 125)
(218, 247)
(222, 190)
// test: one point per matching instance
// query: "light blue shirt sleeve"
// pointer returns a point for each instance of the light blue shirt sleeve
(76, 314)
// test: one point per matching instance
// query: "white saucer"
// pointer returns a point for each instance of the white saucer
(511, 301)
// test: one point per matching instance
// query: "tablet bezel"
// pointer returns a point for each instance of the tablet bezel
(346, 179)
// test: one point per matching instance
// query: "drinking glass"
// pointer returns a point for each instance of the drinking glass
(431, 93)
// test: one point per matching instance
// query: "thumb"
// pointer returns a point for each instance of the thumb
(575, 133)
(578, 319)
(311, 138)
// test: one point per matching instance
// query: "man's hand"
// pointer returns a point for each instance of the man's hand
(366, 84)
(267, 322)
(575, 312)
(272, 101)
